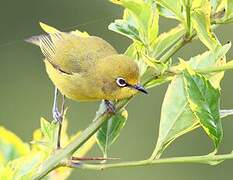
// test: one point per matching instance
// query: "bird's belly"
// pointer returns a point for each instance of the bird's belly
(73, 90)
(72, 86)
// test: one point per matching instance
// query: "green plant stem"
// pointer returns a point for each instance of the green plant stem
(206, 159)
(215, 69)
(188, 19)
(179, 44)
(207, 70)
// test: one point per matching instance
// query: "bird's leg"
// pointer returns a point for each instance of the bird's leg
(110, 106)
(58, 116)
(60, 124)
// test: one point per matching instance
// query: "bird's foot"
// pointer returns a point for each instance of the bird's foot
(110, 107)
(57, 116)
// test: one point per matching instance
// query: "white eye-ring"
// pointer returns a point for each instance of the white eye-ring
(121, 82)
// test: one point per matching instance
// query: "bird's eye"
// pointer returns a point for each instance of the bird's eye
(121, 82)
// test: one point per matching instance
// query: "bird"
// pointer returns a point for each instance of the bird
(86, 68)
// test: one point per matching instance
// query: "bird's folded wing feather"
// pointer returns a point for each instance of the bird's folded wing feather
(71, 52)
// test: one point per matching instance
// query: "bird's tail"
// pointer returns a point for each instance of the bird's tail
(37, 39)
(34, 40)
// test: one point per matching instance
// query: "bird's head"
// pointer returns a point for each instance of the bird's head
(119, 76)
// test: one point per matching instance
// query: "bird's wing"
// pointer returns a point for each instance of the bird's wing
(48, 47)
(71, 52)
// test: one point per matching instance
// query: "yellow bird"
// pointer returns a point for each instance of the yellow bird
(86, 68)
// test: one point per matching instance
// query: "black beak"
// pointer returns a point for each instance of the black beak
(140, 88)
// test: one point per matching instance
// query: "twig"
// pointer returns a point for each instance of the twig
(179, 44)
(206, 159)
(92, 158)
(214, 69)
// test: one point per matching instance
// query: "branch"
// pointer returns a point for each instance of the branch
(215, 69)
(61, 154)
(188, 18)
(55, 159)
(207, 70)
(206, 159)
(179, 44)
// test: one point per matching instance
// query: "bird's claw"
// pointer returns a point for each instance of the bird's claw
(110, 107)
(57, 116)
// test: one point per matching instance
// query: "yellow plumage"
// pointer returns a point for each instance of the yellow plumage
(86, 68)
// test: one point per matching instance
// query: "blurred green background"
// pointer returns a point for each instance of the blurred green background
(26, 93)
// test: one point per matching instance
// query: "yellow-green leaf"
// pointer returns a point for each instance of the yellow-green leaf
(201, 23)
(135, 51)
(176, 115)
(11, 146)
(229, 9)
(47, 128)
(166, 40)
(110, 130)
(215, 4)
(140, 10)
(174, 7)
(122, 27)
(23, 167)
(153, 24)
(141, 18)
(203, 100)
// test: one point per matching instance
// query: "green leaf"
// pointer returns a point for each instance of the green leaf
(208, 59)
(173, 7)
(122, 27)
(202, 25)
(165, 12)
(11, 146)
(166, 40)
(157, 82)
(186, 4)
(153, 24)
(110, 130)
(142, 16)
(135, 51)
(176, 115)
(140, 10)
(203, 100)
(26, 166)
(229, 9)
(215, 4)
(48, 130)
